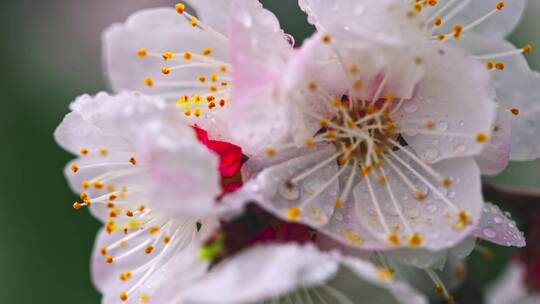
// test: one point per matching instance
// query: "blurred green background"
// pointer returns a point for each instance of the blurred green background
(49, 54)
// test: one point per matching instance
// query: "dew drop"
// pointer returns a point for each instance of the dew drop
(460, 149)
(431, 154)
(410, 107)
(498, 220)
(442, 125)
(490, 233)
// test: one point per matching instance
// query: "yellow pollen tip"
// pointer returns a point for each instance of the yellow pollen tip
(84, 151)
(482, 138)
(514, 111)
(133, 161)
(393, 239)
(77, 206)
(310, 142)
(352, 237)
(415, 240)
(167, 56)
(125, 276)
(123, 296)
(527, 49)
(500, 5)
(358, 84)
(109, 259)
(326, 39)
(85, 184)
(103, 152)
(103, 251)
(293, 214)
(420, 196)
(74, 168)
(490, 65)
(446, 182)
(338, 203)
(499, 66)
(149, 82)
(223, 69)
(180, 8)
(194, 21)
(324, 123)
(188, 56)
(144, 298)
(83, 196)
(437, 21)
(149, 249)
(141, 53)
(165, 71)
(207, 52)
(312, 86)
(386, 274)
(271, 152)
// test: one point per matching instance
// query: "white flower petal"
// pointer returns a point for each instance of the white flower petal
(183, 177)
(158, 31)
(496, 227)
(261, 53)
(314, 202)
(496, 155)
(213, 12)
(467, 11)
(454, 97)
(286, 272)
(435, 218)
(383, 21)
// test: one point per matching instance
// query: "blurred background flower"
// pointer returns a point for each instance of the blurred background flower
(50, 52)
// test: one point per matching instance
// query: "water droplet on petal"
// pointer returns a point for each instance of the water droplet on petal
(460, 149)
(442, 125)
(431, 154)
(490, 233)
(411, 106)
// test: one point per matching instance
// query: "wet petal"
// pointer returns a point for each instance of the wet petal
(157, 31)
(258, 116)
(452, 105)
(212, 12)
(496, 155)
(499, 25)
(429, 212)
(497, 227)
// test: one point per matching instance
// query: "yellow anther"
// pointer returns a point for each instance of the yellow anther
(312, 86)
(77, 206)
(74, 168)
(165, 71)
(338, 203)
(385, 275)
(149, 82)
(364, 171)
(330, 134)
(84, 196)
(223, 69)
(324, 123)
(133, 161)
(141, 53)
(109, 259)
(166, 239)
(214, 77)
(499, 66)
(415, 240)
(193, 21)
(527, 49)
(84, 151)
(293, 214)
(482, 138)
(437, 21)
(213, 88)
(197, 112)
(271, 152)
(352, 237)
(207, 52)
(354, 69)
(358, 84)
(188, 56)
(103, 251)
(167, 56)
(123, 296)
(310, 142)
(514, 111)
(490, 65)
(393, 239)
(180, 8)
(187, 112)
(197, 98)
(222, 103)
(85, 184)
(125, 276)
(420, 196)
(500, 5)
(458, 30)
(103, 152)
(149, 249)
(144, 298)
(441, 37)
(430, 124)
(326, 39)
(97, 184)
(446, 182)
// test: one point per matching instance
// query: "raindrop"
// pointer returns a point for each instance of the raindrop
(498, 220)
(289, 193)
(460, 149)
(490, 233)
(431, 154)
(411, 107)
(442, 125)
